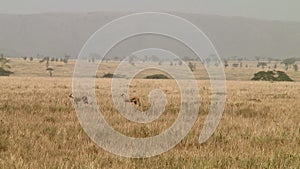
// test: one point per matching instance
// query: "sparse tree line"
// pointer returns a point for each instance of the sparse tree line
(48, 59)
(49, 69)
(4, 63)
(289, 63)
(238, 62)
(175, 62)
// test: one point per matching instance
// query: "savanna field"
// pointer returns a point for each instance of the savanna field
(260, 127)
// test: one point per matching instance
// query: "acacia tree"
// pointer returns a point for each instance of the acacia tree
(288, 62)
(192, 66)
(131, 60)
(66, 58)
(226, 63)
(50, 70)
(180, 62)
(295, 67)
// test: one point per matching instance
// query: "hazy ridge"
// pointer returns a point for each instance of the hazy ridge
(56, 34)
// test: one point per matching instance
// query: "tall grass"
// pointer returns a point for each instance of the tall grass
(39, 129)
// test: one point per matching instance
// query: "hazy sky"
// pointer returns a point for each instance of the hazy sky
(263, 9)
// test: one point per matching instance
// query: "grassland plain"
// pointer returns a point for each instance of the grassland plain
(27, 68)
(39, 128)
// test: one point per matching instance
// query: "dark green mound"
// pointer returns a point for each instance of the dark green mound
(110, 75)
(5, 72)
(157, 76)
(271, 76)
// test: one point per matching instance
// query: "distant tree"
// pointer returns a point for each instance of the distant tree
(186, 59)
(286, 67)
(288, 62)
(66, 58)
(207, 61)
(47, 62)
(1, 55)
(180, 62)
(234, 57)
(50, 70)
(192, 66)
(171, 63)
(295, 67)
(31, 59)
(275, 66)
(25, 57)
(269, 60)
(261, 64)
(154, 58)
(116, 58)
(235, 65)
(131, 60)
(257, 58)
(43, 60)
(226, 63)
(145, 58)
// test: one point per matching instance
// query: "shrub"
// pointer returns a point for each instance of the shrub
(157, 76)
(271, 76)
(5, 72)
(235, 65)
(110, 75)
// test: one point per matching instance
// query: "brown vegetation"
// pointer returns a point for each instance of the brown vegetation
(39, 127)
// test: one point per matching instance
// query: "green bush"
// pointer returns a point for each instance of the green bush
(110, 75)
(4, 72)
(157, 76)
(271, 76)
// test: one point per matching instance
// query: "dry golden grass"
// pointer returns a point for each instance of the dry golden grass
(39, 128)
